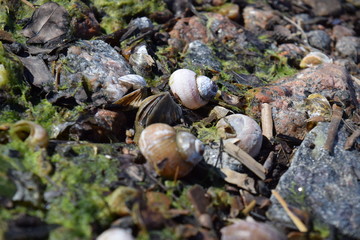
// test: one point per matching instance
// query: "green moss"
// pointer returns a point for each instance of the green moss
(11, 71)
(120, 12)
(206, 133)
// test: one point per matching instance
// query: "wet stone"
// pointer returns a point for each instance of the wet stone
(326, 186)
(319, 39)
(349, 47)
(200, 55)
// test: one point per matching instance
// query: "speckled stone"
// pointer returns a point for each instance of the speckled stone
(319, 39)
(286, 96)
(327, 186)
(349, 47)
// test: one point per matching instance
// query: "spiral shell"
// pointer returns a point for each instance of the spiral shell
(172, 154)
(242, 131)
(193, 92)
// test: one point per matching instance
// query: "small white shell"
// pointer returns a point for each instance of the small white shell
(242, 131)
(193, 92)
(119, 87)
(313, 59)
(115, 234)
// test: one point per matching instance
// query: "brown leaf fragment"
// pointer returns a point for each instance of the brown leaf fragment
(197, 197)
(241, 180)
(351, 139)
(333, 128)
(49, 23)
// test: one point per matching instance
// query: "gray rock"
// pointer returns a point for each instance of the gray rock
(349, 47)
(212, 156)
(319, 39)
(326, 186)
(201, 55)
(91, 71)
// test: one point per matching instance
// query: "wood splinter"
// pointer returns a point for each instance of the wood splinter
(267, 121)
(337, 113)
(351, 139)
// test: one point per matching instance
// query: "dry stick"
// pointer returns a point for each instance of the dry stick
(298, 223)
(268, 164)
(333, 128)
(303, 34)
(267, 121)
(245, 159)
(28, 3)
(248, 208)
(351, 139)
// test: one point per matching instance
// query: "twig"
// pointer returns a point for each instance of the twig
(268, 164)
(351, 139)
(245, 159)
(249, 207)
(267, 121)
(298, 223)
(333, 128)
(28, 4)
(303, 34)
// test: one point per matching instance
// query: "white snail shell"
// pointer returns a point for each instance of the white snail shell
(313, 59)
(243, 131)
(171, 154)
(34, 134)
(117, 89)
(193, 92)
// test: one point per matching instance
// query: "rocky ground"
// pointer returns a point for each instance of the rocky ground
(83, 83)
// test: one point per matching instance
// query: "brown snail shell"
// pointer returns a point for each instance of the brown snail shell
(171, 154)
(159, 108)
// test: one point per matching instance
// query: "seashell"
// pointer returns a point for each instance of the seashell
(159, 108)
(314, 58)
(30, 132)
(141, 61)
(117, 89)
(317, 105)
(242, 131)
(172, 154)
(193, 92)
(116, 233)
(133, 99)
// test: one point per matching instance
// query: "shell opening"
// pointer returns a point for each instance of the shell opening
(207, 88)
(190, 146)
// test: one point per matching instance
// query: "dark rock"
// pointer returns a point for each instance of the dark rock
(327, 186)
(200, 55)
(349, 47)
(319, 39)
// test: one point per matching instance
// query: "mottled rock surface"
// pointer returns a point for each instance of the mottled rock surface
(324, 7)
(327, 186)
(349, 47)
(286, 96)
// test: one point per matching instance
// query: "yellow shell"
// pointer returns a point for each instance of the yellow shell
(171, 158)
(317, 105)
(314, 59)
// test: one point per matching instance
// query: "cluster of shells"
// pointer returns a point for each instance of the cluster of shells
(170, 152)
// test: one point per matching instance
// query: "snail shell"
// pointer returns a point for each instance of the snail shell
(31, 132)
(159, 108)
(117, 89)
(171, 154)
(193, 92)
(242, 131)
(313, 59)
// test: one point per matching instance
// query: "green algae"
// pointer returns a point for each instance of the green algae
(117, 13)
